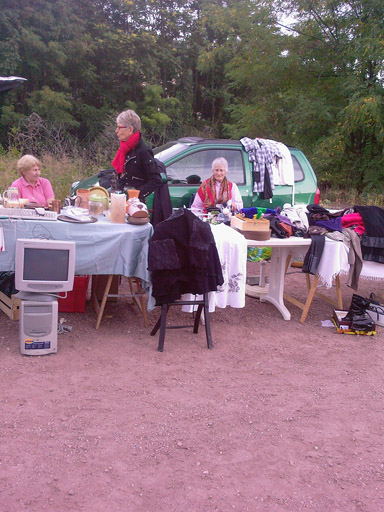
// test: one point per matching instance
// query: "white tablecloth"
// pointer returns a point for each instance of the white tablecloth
(232, 248)
(334, 261)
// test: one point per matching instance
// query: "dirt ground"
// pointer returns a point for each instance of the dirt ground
(279, 416)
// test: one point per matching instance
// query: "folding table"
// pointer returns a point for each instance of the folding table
(282, 250)
(101, 248)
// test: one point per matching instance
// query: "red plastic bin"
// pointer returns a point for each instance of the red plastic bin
(75, 300)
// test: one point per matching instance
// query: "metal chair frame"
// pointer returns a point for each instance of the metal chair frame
(161, 324)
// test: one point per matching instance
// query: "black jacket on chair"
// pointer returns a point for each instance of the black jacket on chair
(183, 258)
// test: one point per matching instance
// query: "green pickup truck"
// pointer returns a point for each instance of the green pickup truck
(189, 160)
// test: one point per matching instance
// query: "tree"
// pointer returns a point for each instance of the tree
(157, 114)
(53, 106)
(339, 47)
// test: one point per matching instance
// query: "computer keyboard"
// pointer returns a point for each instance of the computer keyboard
(27, 213)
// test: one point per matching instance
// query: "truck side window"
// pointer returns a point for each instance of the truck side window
(299, 174)
(199, 164)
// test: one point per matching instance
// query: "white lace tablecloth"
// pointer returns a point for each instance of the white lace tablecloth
(334, 261)
(232, 248)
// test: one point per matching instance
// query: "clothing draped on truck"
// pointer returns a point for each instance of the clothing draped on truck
(272, 165)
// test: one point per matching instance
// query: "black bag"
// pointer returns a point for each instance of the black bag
(277, 230)
(162, 169)
(317, 230)
(7, 283)
(105, 176)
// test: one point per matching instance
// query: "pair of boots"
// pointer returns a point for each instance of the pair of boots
(357, 314)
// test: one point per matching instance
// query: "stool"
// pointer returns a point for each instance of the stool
(162, 321)
(137, 296)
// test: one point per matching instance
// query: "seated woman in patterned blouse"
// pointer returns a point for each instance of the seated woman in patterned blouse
(217, 190)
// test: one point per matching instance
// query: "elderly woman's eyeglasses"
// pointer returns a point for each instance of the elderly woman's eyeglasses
(121, 127)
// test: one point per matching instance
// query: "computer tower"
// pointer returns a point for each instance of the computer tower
(38, 327)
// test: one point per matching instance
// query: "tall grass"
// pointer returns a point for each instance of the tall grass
(341, 198)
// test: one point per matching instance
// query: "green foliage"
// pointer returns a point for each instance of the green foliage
(10, 59)
(353, 152)
(157, 114)
(338, 47)
(53, 106)
(8, 172)
(9, 117)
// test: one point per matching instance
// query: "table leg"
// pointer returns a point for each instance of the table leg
(311, 294)
(275, 294)
(104, 300)
(140, 299)
(136, 296)
(338, 293)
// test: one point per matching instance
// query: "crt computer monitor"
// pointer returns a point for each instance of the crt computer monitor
(44, 266)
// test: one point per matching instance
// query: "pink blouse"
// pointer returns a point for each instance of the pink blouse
(39, 193)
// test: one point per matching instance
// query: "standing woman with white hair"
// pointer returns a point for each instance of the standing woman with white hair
(30, 184)
(134, 162)
(217, 189)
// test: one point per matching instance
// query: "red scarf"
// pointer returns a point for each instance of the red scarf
(125, 147)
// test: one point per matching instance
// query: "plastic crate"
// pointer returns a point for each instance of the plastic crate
(75, 300)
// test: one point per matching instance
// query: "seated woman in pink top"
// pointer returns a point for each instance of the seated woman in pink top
(30, 185)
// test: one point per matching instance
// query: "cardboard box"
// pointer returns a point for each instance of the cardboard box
(75, 299)
(10, 306)
(344, 326)
(253, 229)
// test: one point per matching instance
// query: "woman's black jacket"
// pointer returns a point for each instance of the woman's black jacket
(140, 171)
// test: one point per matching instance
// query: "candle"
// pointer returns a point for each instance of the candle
(118, 206)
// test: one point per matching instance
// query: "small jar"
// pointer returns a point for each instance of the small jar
(96, 205)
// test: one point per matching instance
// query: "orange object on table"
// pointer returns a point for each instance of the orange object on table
(83, 194)
(132, 192)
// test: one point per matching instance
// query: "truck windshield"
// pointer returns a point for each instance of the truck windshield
(169, 150)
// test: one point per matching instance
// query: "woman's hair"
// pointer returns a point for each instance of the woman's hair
(26, 162)
(129, 118)
(220, 161)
